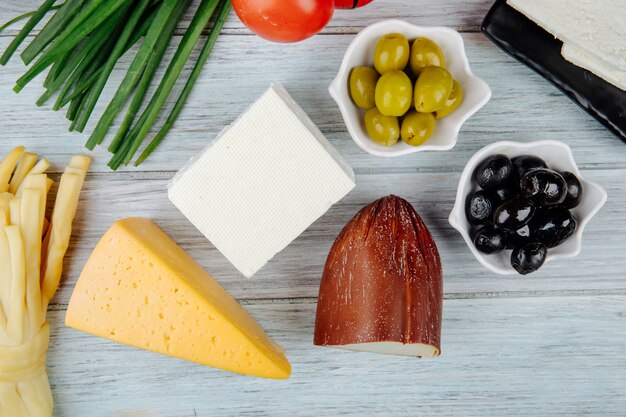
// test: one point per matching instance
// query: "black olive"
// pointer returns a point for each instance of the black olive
(574, 190)
(479, 207)
(513, 214)
(543, 186)
(529, 258)
(489, 239)
(519, 237)
(503, 194)
(494, 172)
(554, 226)
(524, 163)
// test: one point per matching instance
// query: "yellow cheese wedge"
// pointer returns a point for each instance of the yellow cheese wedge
(139, 288)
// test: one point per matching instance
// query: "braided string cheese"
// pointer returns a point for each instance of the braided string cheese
(31, 259)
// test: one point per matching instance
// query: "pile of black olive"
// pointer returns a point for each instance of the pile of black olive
(522, 205)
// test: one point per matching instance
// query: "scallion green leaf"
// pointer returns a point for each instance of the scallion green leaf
(25, 16)
(69, 38)
(199, 21)
(148, 74)
(165, 15)
(54, 26)
(129, 27)
(81, 45)
(28, 27)
(197, 70)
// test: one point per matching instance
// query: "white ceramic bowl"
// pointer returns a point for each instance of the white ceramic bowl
(361, 52)
(558, 156)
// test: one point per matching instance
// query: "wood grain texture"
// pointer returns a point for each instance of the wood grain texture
(549, 344)
(548, 356)
(524, 107)
(296, 271)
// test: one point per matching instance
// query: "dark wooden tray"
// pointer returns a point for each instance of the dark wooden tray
(524, 40)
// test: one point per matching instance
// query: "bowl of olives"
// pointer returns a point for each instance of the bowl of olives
(520, 205)
(403, 88)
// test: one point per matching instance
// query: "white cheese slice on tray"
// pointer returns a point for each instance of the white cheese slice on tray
(597, 27)
(262, 182)
(587, 61)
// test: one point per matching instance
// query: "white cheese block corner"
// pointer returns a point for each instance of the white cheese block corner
(262, 182)
(597, 27)
(587, 61)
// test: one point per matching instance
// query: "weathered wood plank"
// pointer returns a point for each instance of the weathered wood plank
(501, 356)
(459, 14)
(515, 357)
(524, 107)
(296, 271)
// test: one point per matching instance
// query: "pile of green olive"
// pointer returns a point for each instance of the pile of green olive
(404, 93)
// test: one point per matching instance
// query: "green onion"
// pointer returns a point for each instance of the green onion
(64, 96)
(95, 71)
(88, 58)
(87, 19)
(81, 45)
(65, 67)
(75, 106)
(69, 38)
(146, 78)
(57, 68)
(58, 22)
(90, 63)
(28, 27)
(197, 70)
(25, 16)
(129, 27)
(134, 72)
(139, 132)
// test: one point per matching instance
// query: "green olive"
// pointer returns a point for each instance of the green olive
(384, 130)
(363, 86)
(394, 92)
(454, 101)
(432, 89)
(392, 53)
(425, 53)
(417, 128)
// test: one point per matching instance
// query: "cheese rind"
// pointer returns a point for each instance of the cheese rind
(140, 289)
(262, 182)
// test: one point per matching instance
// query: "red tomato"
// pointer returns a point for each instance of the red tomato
(351, 4)
(284, 20)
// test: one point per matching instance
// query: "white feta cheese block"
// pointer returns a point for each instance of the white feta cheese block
(262, 182)
(597, 27)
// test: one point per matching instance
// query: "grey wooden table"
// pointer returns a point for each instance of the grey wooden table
(552, 343)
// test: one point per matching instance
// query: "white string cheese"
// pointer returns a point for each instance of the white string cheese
(24, 331)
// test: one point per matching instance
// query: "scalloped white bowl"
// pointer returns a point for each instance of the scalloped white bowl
(361, 52)
(559, 157)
